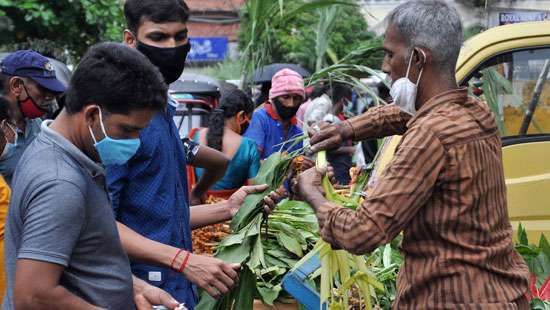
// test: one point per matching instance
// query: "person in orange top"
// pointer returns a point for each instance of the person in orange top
(4, 201)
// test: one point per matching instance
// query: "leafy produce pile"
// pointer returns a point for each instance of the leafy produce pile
(538, 261)
(244, 245)
(267, 250)
(346, 279)
(292, 231)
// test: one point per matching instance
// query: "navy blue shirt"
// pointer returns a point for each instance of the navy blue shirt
(267, 131)
(149, 195)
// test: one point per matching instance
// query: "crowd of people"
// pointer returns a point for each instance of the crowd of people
(103, 197)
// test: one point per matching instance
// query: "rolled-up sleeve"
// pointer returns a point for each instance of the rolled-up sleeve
(400, 192)
(379, 122)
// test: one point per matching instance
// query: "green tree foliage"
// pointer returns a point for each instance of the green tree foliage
(295, 40)
(62, 28)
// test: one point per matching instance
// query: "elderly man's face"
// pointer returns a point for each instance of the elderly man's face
(397, 54)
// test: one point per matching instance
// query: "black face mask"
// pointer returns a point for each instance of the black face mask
(285, 113)
(170, 61)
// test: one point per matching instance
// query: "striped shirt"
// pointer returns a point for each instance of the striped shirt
(445, 190)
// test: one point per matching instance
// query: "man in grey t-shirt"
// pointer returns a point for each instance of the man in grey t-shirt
(62, 245)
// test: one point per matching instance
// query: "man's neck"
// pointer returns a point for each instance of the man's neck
(65, 125)
(285, 122)
(433, 89)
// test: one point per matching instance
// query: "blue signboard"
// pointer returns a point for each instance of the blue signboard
(208, 49)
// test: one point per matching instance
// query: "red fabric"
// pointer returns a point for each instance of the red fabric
(287, 82)
(184, 263)
(174, 259)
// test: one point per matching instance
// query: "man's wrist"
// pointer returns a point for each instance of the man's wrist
(347, 130)
(230, 211)
(316, 200)
(180, 260)
(139, 285)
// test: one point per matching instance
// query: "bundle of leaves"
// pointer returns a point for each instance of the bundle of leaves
(245, 244)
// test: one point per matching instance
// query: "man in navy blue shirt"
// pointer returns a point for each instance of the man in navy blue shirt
(149, 193)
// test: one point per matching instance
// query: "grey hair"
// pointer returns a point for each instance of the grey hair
(433, 25)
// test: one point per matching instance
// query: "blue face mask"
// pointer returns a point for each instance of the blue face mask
(114, 151)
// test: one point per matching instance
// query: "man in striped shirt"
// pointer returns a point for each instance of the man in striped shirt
(444, 188)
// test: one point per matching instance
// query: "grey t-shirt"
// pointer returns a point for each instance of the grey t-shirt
(60, 213)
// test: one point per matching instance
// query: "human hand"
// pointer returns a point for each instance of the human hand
(146, 296)
(309, 186)
(328, 137)
(236, 200)
(211, 274)
(273, 198)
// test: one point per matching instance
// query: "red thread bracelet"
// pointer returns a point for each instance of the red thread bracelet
(184, 261)
(174, 259)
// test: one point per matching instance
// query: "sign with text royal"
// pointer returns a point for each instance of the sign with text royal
(522, 16)
(208, 49)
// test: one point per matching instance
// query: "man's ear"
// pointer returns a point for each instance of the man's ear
(91, 115)
(129, 38)
(422, 57)
(241, 115)
(15, 86)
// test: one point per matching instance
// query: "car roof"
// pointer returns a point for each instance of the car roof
(498, 40)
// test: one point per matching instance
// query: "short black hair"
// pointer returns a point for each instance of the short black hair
(340, 91)
(117, 78)
(4, 78)
(4, 108)
(157, 11)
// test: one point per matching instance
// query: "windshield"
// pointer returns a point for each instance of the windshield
(516, 87)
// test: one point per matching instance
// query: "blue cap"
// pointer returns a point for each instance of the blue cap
(32, 65)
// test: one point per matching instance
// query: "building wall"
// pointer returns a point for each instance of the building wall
(216, 18)
(376, 10)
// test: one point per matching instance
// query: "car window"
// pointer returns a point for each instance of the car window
(516, 86)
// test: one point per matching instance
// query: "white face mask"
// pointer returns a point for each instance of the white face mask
(403, 91)
(8, 148)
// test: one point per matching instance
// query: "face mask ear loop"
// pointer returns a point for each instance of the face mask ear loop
(409, 66)
(5, 123)
(101, 122)
(421, 70)
(92, 134)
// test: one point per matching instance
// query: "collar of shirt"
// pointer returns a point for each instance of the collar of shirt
(454, 95)
(30, 124)
(93, 168)
(271, 112)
